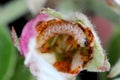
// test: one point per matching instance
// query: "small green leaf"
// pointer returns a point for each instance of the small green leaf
(7, 55)
(21, 71)
(114, 52)
(114, 48)
(103, 76)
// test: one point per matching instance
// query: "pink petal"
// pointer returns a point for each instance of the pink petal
(29, 32)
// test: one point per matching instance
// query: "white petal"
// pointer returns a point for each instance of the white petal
(49, 57)
(35, 5)
(116, 79)
(76, 61)
(117, 1)
(40, 68)
(115, 70)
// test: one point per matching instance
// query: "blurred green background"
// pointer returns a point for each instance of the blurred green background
(16, 13)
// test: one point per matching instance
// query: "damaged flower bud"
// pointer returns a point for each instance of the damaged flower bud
(57, 47)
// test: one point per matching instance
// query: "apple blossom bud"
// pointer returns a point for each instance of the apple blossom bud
(56, 47)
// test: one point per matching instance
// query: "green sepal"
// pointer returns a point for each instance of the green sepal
(52, 13)
(7, 55)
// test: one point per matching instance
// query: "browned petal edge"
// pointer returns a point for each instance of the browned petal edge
(64, 66)
(89, 35)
